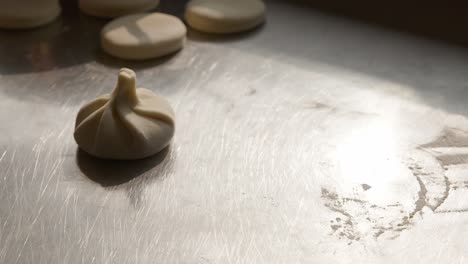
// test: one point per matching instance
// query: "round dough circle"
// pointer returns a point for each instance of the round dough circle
(224, 16)
(116, 8)
(18, 14)
(143, 36)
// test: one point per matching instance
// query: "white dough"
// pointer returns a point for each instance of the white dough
(17, 14)
(116, 8)
(128, 124)
(224, 16)
(143, 36)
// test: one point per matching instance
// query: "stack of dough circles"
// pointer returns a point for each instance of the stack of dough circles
(18, 14)
(224, 16)
(116, 8)
(143, 36)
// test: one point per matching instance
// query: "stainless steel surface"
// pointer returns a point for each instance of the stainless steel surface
(311, 140)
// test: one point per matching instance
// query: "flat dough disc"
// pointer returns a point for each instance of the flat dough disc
(224, 16)
(116, 8)
(17, 14)
(143, 36)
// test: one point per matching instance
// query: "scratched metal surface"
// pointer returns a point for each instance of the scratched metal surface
(311, 140)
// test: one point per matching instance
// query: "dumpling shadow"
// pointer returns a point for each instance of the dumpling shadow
(109, 173)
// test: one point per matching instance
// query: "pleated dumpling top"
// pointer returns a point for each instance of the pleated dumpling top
(128, 124)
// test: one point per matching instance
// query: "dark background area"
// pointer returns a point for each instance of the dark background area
(442, 20)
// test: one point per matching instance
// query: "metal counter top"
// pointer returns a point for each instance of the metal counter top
(313, 139)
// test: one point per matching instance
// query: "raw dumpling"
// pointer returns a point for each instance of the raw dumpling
(224, 16)
(116, 8)
(128, 124)
(17, 14)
